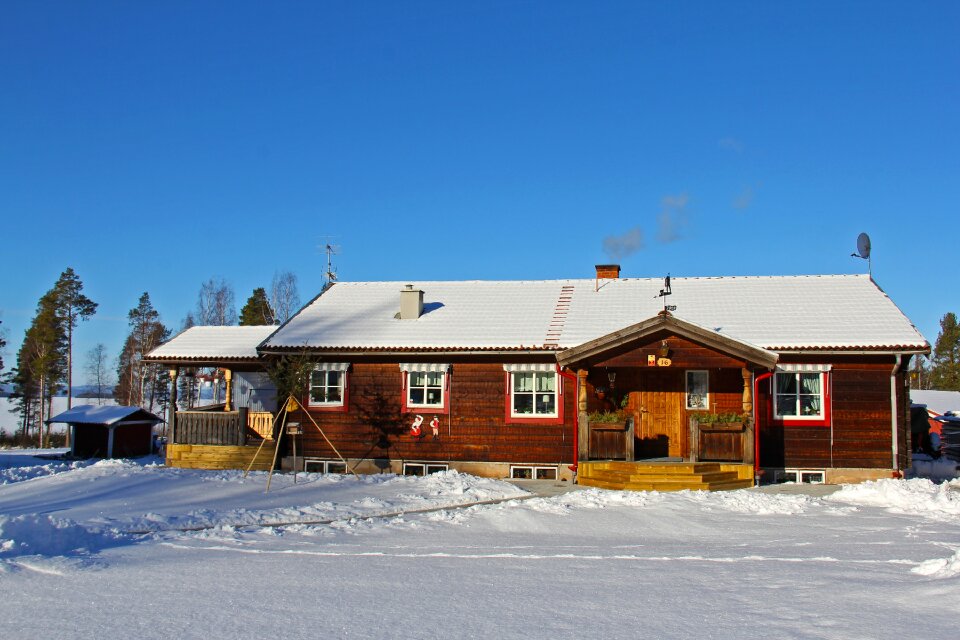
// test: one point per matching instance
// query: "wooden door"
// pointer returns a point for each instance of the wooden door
(657, 408)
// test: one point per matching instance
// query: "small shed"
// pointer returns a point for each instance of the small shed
(109, 431)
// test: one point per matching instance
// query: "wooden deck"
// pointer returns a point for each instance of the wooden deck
(664, 476)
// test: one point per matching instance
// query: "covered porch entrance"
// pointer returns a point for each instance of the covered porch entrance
(666, 391)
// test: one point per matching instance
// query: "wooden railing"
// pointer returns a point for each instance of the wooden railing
(211, 427)
(261, 423)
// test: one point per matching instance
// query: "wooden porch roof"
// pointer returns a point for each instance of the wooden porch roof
(665, 321)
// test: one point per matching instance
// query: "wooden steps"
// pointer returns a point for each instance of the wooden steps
(197, 456)
(664, 476)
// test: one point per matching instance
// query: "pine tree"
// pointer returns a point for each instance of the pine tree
(41, 366)
(137, 381)
(71, 307)
(257, 311)
(945, 370)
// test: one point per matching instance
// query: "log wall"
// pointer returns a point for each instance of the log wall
(476, 429)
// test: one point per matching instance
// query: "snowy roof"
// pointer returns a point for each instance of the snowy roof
(937, 401)
(779, 313)
(107, 414)
(213, 343)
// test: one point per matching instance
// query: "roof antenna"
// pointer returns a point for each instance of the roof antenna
(331, 250)
(863, 251)
(666, 292)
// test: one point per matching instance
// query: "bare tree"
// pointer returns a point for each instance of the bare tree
(215, 303)
(97, 370)
(284, 298)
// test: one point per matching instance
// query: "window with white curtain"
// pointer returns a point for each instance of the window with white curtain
(799, 395)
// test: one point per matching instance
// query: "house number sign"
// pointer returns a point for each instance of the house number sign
(664, 362)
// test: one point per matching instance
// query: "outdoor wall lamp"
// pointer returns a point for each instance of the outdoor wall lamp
(664, 349)
(612, 377)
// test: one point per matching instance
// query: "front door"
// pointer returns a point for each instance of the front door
(657, 408)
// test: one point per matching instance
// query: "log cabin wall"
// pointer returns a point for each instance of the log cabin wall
(475, 429)
(860, 416)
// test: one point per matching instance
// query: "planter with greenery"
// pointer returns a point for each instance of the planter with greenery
(721, 420)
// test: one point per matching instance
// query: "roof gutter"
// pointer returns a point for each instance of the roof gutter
(406, 353)
(893, 415)
(852, 352)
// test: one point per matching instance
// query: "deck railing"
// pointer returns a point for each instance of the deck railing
(211, 427)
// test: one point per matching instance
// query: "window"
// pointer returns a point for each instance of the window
(806, 476)
(422, 468)
(799, 395)
(698, 394)
(328, 388)
(534, 394)
(312, 465)
(519, 472)
(425, 389)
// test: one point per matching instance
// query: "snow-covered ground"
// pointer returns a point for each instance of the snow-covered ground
(878, 560)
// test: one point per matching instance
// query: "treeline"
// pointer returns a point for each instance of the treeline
(44, 362)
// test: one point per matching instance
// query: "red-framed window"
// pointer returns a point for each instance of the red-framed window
(329, 388)
(426, 389)
(801, 398)
(534, 395)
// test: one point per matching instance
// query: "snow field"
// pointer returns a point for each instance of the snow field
(877, 560)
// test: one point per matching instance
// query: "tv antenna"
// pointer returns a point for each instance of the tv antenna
(331, 250)
(666, 291)
(863, 251)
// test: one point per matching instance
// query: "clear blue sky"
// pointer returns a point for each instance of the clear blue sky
(151, 146)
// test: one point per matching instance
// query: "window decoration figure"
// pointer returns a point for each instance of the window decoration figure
(415, 430)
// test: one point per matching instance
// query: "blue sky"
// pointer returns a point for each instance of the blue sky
(152, 146)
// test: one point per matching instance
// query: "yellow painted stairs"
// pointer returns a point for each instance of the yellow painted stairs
(664, 476)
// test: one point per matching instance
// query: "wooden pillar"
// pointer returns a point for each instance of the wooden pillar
(110, 431)
(583, 437)
(749, 431)
(228, 390)
(172, 409)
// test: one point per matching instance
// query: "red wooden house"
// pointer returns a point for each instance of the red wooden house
(513, 370)
(802, 377)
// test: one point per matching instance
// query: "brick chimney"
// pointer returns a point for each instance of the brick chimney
(608, 271)
(411, 303)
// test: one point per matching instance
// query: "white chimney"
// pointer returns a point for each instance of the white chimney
(411, 303)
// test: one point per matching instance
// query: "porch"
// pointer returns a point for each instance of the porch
(217, 439)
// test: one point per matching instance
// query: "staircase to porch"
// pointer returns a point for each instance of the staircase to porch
(664, 476)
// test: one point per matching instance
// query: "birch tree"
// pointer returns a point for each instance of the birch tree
(284, 297)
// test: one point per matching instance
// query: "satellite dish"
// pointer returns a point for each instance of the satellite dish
(863, 246)
(863, 251)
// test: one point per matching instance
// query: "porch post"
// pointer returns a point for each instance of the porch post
(172, 409)
(583, 437)
(228, 390)
(748, 433)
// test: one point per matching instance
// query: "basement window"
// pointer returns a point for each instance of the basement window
(800, 476)
(524, 472)
(313, 465)
(423, 468)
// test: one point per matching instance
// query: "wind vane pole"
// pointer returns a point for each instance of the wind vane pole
(666, 292)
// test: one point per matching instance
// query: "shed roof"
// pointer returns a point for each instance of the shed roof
(107, 415)
(777, 313)
(937, 401)
(206, 343)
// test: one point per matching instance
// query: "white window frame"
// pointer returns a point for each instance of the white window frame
(324, 466)
(536, 471)
(427, 468)
(425, 387)
(801, 476)
(326, 371)
(535, 415)
(799, 416)
(706, 396)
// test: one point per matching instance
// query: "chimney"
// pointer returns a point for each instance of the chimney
(608, 271)
(411, 303)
